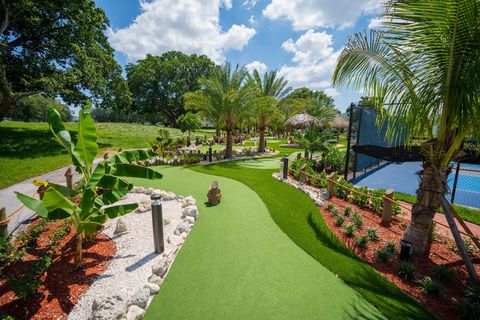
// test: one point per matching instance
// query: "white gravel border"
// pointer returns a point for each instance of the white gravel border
(126, 288)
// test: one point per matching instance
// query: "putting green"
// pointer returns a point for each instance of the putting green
(238, 264)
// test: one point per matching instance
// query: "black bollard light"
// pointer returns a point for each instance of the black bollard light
(265, 144)
(406, 250)
(157, 223)
(209, 153)
(285, 167)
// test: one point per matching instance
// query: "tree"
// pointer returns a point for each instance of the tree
(299, 99)
(325, 113)
(223, 97)
(268, 90)
(159, 83)
(313, 140)
(35, 108)
(91, 206)
(425, 64)
(57, 48)
(189, 122)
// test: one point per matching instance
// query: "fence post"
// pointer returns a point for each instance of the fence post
(330, 184)
(69, 178)
(387, 207)
(303, 176)
(3, 223)
(349, 138)
(455, 181)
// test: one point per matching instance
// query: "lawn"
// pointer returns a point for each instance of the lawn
(27, 149)
(237, 263)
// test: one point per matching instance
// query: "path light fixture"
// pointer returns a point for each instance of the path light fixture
(284, 167)
(406, 250)
(157, 223)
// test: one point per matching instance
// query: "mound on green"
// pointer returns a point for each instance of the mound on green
(237, 264)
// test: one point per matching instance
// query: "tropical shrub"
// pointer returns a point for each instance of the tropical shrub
(372, 234)
(357, 220)
(348, 211)
(333, 160)
(376, 202)
(443, 274)
(362, 242)
(390, 246)
(9, 253)
(469, 307)
(361, 197)
(382, 255)
(342, 190)
(430, 286)
(350, 230)
(407, 270)
(30, 280)
(89, 207)
(339, 220)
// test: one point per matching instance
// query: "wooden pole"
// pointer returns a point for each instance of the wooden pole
(3, 223)
(387, 207)
(447, 208)
(466, 228)
(330, 185)
(69, 178)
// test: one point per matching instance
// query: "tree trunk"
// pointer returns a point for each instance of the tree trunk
(433, 182)
(78, 251)
(7, 97)
(261, 140)
(217, 135)
(229, 145)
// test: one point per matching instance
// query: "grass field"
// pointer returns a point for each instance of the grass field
(27, 149)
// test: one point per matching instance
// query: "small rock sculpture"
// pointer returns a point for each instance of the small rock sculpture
(214, 194)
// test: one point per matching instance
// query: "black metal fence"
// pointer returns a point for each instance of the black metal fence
(377, 173)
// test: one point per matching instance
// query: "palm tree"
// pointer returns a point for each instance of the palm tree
(313, 139)
(425, 64)
(223, 99)
(326, 114)
(269, 90)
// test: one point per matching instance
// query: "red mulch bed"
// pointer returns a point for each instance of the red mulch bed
(62, 284)
(440, 253)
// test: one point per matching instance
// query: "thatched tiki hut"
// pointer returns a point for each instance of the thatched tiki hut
(301, 121)
(341, 123)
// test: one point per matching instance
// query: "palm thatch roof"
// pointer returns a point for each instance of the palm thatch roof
(301, 121)
(341, 122)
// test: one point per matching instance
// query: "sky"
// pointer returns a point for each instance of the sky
(301, 39)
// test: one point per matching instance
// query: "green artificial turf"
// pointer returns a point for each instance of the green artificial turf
(237, 263)
(300, 219)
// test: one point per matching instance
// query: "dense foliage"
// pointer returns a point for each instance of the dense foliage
(35, 108)
(57, 48)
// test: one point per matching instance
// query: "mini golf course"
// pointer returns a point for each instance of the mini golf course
(239, 262)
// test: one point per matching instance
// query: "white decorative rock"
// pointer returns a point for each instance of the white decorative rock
(107, 307)
(120, 227)
(148, 191)
(154, 288)
(141, 190)
(188, 201)
(166, 221)
(154, 279)
(140, 298)
(134, 313)
(190, 211)
(324, 195)
(143, 207)
(319, 202)
(189, 220)
(160, 268)
(134, 190)
(182, 228)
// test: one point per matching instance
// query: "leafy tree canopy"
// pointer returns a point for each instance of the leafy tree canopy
(57, 48)
(189, 122)
(301, 98)
(35, 108)
(159, 83)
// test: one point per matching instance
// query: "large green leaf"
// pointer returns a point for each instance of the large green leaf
(120, 210)
(110, 182)
(133, 171)
(130, 156)
(59, 213)
(52, 199)
(112, 196)
(97, 175)
(32, 204)
(98, 218)
(86, 145)
(64, 190)
(86, 205)
(88, 226)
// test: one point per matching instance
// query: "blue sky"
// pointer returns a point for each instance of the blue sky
(301, 39)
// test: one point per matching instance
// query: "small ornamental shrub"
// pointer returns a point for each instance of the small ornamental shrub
(372, 234)
(407, 271)
(396, 210)
(376, 202)
(357, 220)
(361, 197)
(348, 211)
(342, 191)
(430, 286)
(443, 274)
(30, 280)
(330, 207)
(390, 247)
(382, 255)
(469, 307)
(350, 231)
(339, 220)
(9, 253)
(362, 242)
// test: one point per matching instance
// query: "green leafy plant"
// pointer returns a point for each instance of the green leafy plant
(9, 253)
(430, 286)
(390, 246)
(29, 282)
(342, 190)
(348, 211)
(361, 197)
(469, 307)
(396, 210)
(372, 234)
(91, 206)
(189, 122)
(407, 271)
(376, 202)
(34, 233)
(330, 207)
(443, 274)
(350, 231)
(339, 220)
(382, 255)
(362, 242)
(357, 220)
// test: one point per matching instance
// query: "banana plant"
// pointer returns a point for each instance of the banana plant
(94, 203)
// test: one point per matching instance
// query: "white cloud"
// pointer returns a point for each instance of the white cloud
(190, 26)
(249, 4)
(252, 20)
(257, 65)
(307, 14)
(315, 61)
(376, 23)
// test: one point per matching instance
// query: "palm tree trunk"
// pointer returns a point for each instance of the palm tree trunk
(217, 134)
(433, 182)
(261, 140)
(229, 145)
(78, 251)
